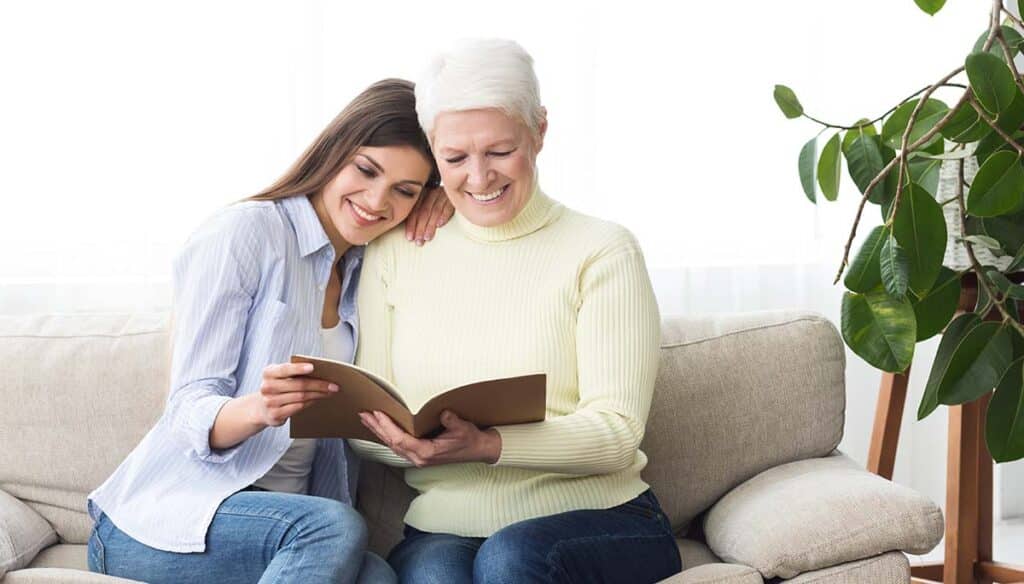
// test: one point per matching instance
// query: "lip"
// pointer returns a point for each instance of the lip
(359, 220)
(504, 191)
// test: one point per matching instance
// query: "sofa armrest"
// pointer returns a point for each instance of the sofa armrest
(23, 533)
(817, 513)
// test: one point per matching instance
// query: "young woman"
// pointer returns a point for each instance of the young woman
(217, 491)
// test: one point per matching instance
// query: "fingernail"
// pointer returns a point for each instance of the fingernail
(332, 387)
(428, 237)
(419, 242)
(408, 236)
(307, 367)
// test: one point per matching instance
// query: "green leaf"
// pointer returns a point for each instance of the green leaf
(1018, 261)
(1004, 422)
(788, 102)
(879, 328)
(1008, 121)
(998, 187)
(930, 6)
(951, 339)
(864, 274)
(829, 168)
(806, 167)
(864, 159)
(1005, 286)
(983, 241)
(860, 128)
(1013, 39)
(936, 307)
(920, 229)
(991, 81)
(1008, 230)
(965, 126)
(977, 364)
(925, 173)
(960, 154)
(931, 112)
(894, 267)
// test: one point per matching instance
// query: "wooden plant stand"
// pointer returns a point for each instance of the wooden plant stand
(968, 557)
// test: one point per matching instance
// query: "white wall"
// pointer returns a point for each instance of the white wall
(125, 123)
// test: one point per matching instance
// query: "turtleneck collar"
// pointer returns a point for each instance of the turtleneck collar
(539, 211)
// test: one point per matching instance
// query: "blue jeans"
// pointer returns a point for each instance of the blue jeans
(254, 537)
(629, 543)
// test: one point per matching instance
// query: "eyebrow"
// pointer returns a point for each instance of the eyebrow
(510, 142)
(380, 169)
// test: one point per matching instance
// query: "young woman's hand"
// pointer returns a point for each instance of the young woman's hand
(286, 391)
(461, 441)
(433, 210)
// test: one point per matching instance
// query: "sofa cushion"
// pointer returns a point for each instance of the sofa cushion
(887, 568)
(87, 388)
(819, 513)
(738, 394)
(23, 533)
(61, 576)
(716, 574)
(73, 556)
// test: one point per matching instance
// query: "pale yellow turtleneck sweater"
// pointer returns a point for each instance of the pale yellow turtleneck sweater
(552, 291)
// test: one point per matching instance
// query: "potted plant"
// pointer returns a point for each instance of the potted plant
(898, 290)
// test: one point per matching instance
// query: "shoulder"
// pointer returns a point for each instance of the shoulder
(246, 225)
(598, 237)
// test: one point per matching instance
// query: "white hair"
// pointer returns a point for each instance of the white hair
(480, 74)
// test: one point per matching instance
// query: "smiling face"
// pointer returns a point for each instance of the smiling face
(487, 161)
(372, 193)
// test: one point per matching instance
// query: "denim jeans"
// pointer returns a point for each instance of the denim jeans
(254, 537)
(629, 543)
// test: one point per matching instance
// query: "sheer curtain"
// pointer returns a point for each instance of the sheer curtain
(124, 124)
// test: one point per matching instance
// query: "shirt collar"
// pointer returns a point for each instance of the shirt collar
(308, 230)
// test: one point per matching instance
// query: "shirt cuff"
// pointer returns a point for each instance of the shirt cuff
(200, 422)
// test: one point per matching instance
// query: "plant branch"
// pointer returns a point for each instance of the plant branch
(1012, 17)
(888, 168)
(984, 116)
(883, 116)
(975, 264)
(997, 7)
(1009, 60)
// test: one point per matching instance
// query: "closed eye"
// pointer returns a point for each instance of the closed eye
(500, 154)
(368, 172)
(455, 159)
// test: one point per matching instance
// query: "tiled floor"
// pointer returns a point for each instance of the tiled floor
(1007, 545)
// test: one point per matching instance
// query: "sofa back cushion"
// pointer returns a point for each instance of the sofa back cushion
(737, 394)
(79, 391)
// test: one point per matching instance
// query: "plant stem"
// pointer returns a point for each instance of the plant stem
(881, 117)
(1012, 17)
(975, 264)
(1009, 59)
(984, 116)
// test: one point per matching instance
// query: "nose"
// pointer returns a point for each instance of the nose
(377, 198)
(479, 175)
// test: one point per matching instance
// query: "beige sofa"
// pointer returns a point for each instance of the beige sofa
(741, 439)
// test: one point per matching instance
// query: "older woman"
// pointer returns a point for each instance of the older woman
(520, 284)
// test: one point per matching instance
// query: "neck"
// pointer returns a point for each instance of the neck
(337, 241)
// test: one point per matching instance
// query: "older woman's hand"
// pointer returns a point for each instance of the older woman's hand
(461, 441)
(432, 210)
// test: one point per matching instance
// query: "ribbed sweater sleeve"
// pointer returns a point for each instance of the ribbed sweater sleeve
(374, 343)
(617, 338)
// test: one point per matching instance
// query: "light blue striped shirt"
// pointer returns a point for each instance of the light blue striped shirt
(248, 291)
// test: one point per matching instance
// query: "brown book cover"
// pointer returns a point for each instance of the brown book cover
(495, 402)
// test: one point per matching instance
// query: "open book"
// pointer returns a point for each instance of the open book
(495, 402)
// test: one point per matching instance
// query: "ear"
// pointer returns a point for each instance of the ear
(542, 127)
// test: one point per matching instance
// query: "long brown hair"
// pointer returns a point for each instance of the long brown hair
(382, 115)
